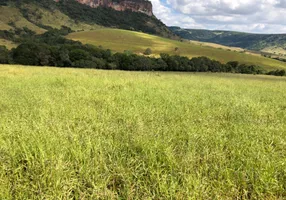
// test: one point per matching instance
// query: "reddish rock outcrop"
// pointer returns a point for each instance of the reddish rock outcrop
(143, 6)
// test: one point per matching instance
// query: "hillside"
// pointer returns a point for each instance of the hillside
(121, 40)
(141, 6)
(37, 19)
(42, 15)
(271, 43)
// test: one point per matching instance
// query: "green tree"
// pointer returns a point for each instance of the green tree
(147, 52)
(79, 54)
(32, 54)
(4, 55)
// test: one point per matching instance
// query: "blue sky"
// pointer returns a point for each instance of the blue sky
(256, 16)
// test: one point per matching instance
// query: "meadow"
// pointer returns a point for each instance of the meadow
(137, 42)
(93, 134)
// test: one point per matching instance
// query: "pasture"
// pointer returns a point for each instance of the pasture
(121, 40)
(92, 134)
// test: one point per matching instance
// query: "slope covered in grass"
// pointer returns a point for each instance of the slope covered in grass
(77, 16)
(54, 18)
(36, 17)
(7, 43)
(90, 134)
(120, 40)
(13, 15)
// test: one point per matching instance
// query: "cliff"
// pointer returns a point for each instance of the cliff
(143, 6)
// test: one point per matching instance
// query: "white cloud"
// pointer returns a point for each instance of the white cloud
(262, 16)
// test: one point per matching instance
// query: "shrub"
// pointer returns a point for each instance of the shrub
(277, 73)
(147, 52)
(4, 55)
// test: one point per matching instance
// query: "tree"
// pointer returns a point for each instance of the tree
(79, 54)
(147, 52)
(277, 73)
(32, 54)
(4, 55)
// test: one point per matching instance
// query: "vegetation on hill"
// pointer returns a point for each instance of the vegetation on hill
(11, 17)
(52, 49)
(91, 134)
(7, 43)
(121, 40)
(259, 42)
(43, 14)
(110, 18)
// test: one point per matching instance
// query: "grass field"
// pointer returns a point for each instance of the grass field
(91, 134)
(217, 46)
(120, 40)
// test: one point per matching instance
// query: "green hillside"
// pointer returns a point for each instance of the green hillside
(11, 17)
(36, 18)
(271, 43)
(121, 40)
(40, 15)
(7, 43)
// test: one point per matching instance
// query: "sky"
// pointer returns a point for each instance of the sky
(255, 16)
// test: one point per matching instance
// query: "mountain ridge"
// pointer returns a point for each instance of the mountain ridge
(269, 43)
(134, 15)
(141, 6)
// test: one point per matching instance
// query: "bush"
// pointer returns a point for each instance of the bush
(277, 73)
(4, 55)
(79, 54)
(147, 52)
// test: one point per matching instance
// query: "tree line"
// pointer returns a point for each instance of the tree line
(53, 49)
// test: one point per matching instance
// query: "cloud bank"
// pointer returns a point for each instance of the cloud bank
(257, 16)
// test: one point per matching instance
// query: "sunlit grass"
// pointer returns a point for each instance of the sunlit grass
(9, 14)
(91, 134)
(54, 19)
(7, 43)
(57, 19)
(120, 40)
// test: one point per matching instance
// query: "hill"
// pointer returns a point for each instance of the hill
(141, 6)
(93, 134)
(42, 15)
(37, 19)
(271, 43)
(121, 40)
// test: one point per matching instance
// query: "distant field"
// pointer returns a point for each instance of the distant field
(219, 46)
(91, 134)
(275, 50)
(238, 49)
(120, 40)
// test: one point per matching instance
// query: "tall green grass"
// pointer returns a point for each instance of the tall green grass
(91, 134)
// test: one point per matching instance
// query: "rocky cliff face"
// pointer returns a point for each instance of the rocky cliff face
(143, 6)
